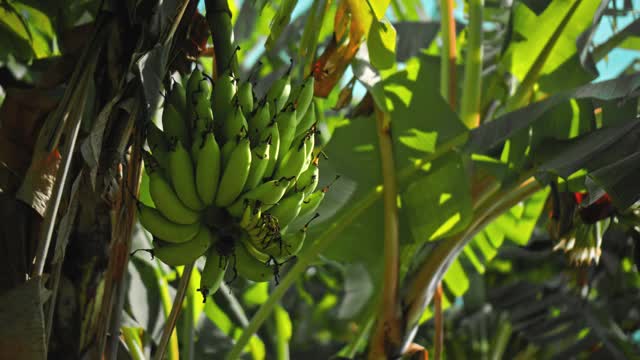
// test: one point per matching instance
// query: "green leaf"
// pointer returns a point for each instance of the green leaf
(381, 43)
(500, 129)
(257, 294)
(438, 204)
(283, 323)
(537, 30)
(280, 21)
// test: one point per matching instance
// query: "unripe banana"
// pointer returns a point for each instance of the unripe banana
(311, 203)
(182, 177)
(235, 124)
(250, 268)
(304, 96)
(293, 163)
(174, 125)
(158, 144)
(226, 151)
(163, 228)
(245, 96)
(279, 92)
(273, 132)
(235, 174)
(192, 91)
(165, 199)
(305, 122)
(212, 273)
(259, 162)
(208, 169)
(253, 251)
(286, 121)
(287, 209)
(258, 121)
(193, 85)
(186, 252)
(246, 217)
(223, 91)
(308, 180)
(267, 194)
(288, 245)
(202, 117)
(178, 98)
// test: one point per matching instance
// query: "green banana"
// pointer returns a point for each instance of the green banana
(174, 125)
(245, 96)
(163, 228)
(212, 273)
(268, 194)
(288, 245)
(193, 85)
(192, 94)
(165, 199)
(226, 151)
(287, 209)
(235, 174)
(273, 132)
(182, 176)
(223, 91)
(258, 121)
(293, 163)
(259, 162)
(158, 145)
(304, 96)
(279, 92)
(307, 120)
(308, 180)
(251, 268)
(311, 203)
(236, 124)
(178, 98)
(186, 252)
(202, 117)
(208, 166)
(286, 121)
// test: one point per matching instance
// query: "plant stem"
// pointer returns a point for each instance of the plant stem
(448, 52)
(438, 337)
(502, 337)
(387, 328)
(600, 51)
(175, 311)
(165, 299)
(132, 339)
(472, 88)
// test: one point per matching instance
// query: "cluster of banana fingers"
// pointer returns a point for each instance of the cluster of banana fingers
(227, 187)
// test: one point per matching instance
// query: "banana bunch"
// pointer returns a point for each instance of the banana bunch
(228, 174)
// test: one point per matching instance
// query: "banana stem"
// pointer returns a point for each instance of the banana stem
(175, 311)
(448, 53)
(438, 337)
(472, 88)
(387, 328)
